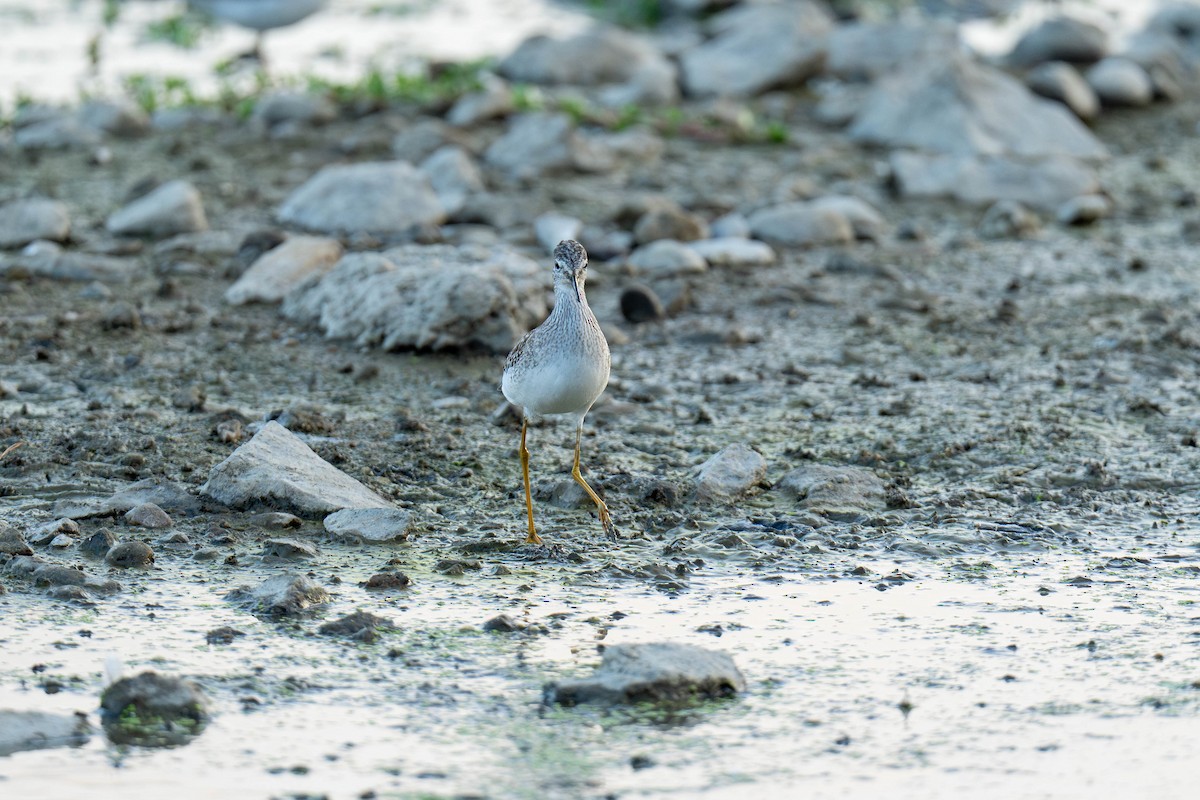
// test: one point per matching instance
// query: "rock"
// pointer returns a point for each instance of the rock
(551, 228)
(25, 221)
(293, 108)
(640, 304)
(654, 672)
(667, 258)
(669, 222)
(1008, 219)
(1084, 210)
(285, 594)
(502, 623)
(370, 525)
(47, 531)
(493, 99)
(599, 55)
(1120, 82)
(13, 543)
(120, 118)
(730, 226)
(280, 270)
(454, 177)
(867, 223)
(148, 515)
(957, 106)
(534, 144)
(864, 51)
(1059, 39)
(433, 298)
(55, 133)
(378, 198)
(130, 554)
(288, 549)
(1044, 183)
(99, 543)
(153, 709)
(730, 473)
(47, 259)
(417, 142)
(801, 224)
(276, 469)
(276, 521)
(223, 635)
(839, 492)
(655, 83)
(729, 251)
(175, 207)
(388, 580)
(38, 730)
(359, 626)
(165, 494)
(757, 47)
(1060, 81)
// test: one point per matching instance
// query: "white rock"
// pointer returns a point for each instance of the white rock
(864, 219)
(733, 251)
(730, 473)
(758, 47)
(667, 258)
(454, 176)
(834, 491)
(281, 269)
(493, 99)
(175, 207)
(1060, 39)
(284, 594)
(600, 55)
(1120, 82)
(534, 144)
(370, 524)
(959, 107)
(551, 228)
(863, 51)
(276, 469)
(801, 224)
(24, 221)
(1043, 183)
(374, 197)
(426, 298)
(1060, 81)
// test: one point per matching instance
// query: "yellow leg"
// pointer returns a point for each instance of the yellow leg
(533, 538)
(601, 508)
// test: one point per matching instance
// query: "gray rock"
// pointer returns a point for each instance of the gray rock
(48, 260)
(1060, 81)
(165, 494)
(731, 251)
(600, 55)
(1008, 219)
(60, 132)
(294, 108)
(153, 709)
(1060, 39)
(276, 469)
(24, 221)
(415, 143)
(503, 623)
(640, 304)
(655, 83)
(39, 730)
(1120, 82)
(175, 207)
(99, 543)
(13, 543)
(667, 258)
(864, 51)
(148, 515)
(289, 549)
(801, 224)
(834, 491)
(280, 270)
(45, 533)
(380, 198)
(120, 118)
(130, 554)
(551, 228)
(454, 176)
(1084, 210)
(534, 144)
(427, 298)
(758, 47)
(669, 221)
(359, 626)
(370, 525)
(863, 218)
(286, 594)
(493, 99)
(731, 225)
(957, 106)
(1044, 183)
(730, 473)
(654, 672)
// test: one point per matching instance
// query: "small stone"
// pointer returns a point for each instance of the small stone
(1062, 82)
(868, 224)
(733, 225)
(286, 594)
(38, 730)
(493, 99)
(1060, 39)
(276, 520)
(175, 207)
(281, 269)
(190, 398)
(121, 316)
(1007, 219)
(730, 473)
(1120, 82)
(415, 143)
(33, 219)
(370, 525)
(378, 198)
(120, 118)
(99, 543)
(61, 541)
(222, 635)
(148, 515)
(229, 431)
(734, 252)
(1084, 210)
(801, 224)
(598, 55)
(388, 580)
(503, 624)
(294, 108)
(13, 544)
(667, 258)
(454, 176)
(130, 554)
(288, 549)
(669, 222)
(534, 144)
(359, 626)
(654, 672)
(640, 304)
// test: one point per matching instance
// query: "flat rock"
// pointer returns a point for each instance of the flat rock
(165, 494)
(454, 176)
(956, 106)
(427, 297)
(1060, 39)
(47, 531)
(285, 594)
(1120, 82)
(834, 491)
(373, 525)
(1060, 81)
(734, 251)
(276, 469)
(1043, 183)
(281, 269)
(149, 515)
(380, 198)
(864, 51)
(175, 207)
(599, 55)
(289, 549)
(25, 221)
(39, 730)
(667, 258)
(757, 47)
(730, 473)
(801, 224)
(653, 672)
(360, 626)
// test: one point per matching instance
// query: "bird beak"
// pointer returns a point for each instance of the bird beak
(575, 283)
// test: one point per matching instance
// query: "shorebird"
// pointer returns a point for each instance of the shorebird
(259, 16)
(560, 368)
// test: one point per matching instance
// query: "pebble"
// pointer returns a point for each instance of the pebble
(62, 541)
(598, 55)
(377, 198)
(1120, 82)
(223, 635)
(292, 108)
(276, 520)
(119, 118)
(1007, 219)
(640, 304)
(503, 623)
(417, 142)
(388, 580)
(33, 219)
(288, 549)
(835, 491)
(801, 224)
(664, 672)
(1060, 81)
(174, 207)
(278, 271)
(669, 222)
(360, 626)
(285, 594)
(864, 51)
(148, 515)
(1084, 210)
(667, 258)
(733, 225)
(730, 251)
(130, 554)
(1060, 39)
(732, 472)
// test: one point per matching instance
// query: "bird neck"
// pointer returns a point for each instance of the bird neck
(565, 302)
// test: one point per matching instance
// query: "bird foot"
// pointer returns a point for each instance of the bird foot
(609, 527)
